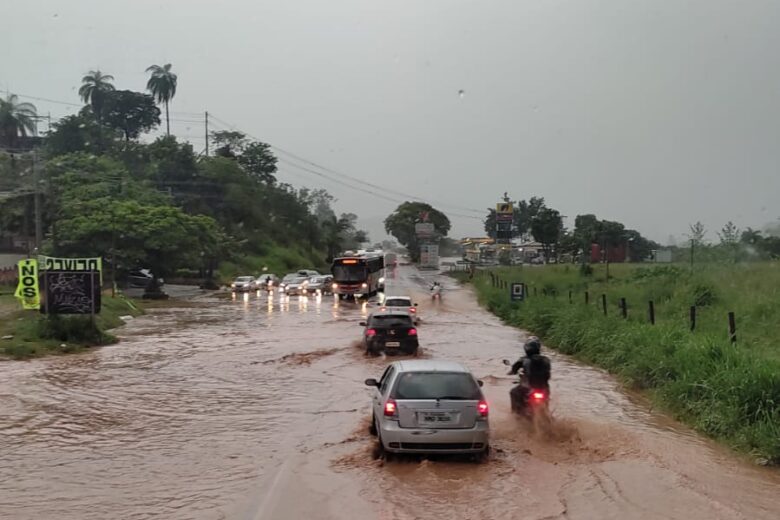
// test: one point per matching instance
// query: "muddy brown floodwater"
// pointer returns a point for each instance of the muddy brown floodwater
(253, 408)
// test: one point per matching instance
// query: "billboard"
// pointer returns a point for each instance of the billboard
(71, 292)
(429, 256)
(70, 285)
(504, 212)
(424, 229)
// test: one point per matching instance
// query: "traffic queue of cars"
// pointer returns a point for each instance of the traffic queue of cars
(421, 406)
(301, 283)
(417, 406)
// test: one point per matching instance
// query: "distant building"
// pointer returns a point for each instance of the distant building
(662, 256)
(612, 254)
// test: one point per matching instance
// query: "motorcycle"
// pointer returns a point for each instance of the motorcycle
(529, 401)
(436, 292)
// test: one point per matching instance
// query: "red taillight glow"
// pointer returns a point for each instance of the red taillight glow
(383, 308)
(539, 396)
(371, 332)
(390, 408)
(482, 408)
(412, 309)
(412, 332)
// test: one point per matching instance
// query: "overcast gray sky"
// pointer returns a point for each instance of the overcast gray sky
(654, 113)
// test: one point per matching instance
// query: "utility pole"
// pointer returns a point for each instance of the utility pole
(207, 133)
(37, 195)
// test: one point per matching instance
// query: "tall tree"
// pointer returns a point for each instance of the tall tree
(546, 229)
(729, 234)
(162, 85)
(258, 161)
(697, 233)
(16, 119)
(95, 86)
(401, 224)
(131, 112)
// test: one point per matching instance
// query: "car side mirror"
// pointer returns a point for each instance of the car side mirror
(506, 362)
(362, 323)
(372, 382)
(480, 382)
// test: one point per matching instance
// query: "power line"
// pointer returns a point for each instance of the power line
(67, 103)
(355, 179)
(364, 190)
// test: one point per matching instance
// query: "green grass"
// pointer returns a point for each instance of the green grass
(730, 392)
(35, 335)
(278, 260)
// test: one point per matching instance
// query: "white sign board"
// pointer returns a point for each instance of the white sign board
(429, 256)
(424, 229)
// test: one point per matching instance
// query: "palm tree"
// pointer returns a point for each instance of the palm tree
(162, 85)
(16, 119)
(93, 90)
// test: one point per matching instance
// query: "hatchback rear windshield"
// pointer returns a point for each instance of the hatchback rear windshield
(391, 320)
(398, 303)
(244, 279)
(436, 385)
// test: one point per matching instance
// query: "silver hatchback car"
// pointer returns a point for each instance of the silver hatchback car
(427, 406)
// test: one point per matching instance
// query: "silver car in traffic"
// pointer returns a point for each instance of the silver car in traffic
(427, 406)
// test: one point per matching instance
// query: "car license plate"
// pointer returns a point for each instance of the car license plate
(393, 344)
(434, 417)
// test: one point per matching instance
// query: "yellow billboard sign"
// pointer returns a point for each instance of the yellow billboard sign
(504, 208)
(27, 291)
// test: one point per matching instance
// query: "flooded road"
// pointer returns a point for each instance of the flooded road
(255, 408)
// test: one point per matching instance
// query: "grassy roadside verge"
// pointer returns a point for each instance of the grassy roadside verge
(729, 392)
(34, 335)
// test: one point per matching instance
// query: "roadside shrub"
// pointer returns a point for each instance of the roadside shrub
(78, 329)
(703, 295)
(20, 351)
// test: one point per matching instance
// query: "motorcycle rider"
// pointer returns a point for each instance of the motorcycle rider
(535, 372)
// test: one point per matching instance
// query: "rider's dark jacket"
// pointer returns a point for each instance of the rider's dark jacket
(536, 370)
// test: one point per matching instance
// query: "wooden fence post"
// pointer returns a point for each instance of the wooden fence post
(623, 308)
(587, 297)
(693, 318)
(604, 303)
(732, 327)
(651, 311)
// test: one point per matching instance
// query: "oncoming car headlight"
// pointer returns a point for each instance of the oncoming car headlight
(382, 280)
(335, 286)
(364, 285)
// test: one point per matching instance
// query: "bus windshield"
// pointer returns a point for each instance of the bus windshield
(349, 273)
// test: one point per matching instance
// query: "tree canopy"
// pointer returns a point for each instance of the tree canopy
(401, 224)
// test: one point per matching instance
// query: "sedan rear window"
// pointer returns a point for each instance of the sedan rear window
(436, 385)
(398, 303)
(391, 320)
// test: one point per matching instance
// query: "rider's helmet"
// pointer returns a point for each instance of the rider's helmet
(533, 346)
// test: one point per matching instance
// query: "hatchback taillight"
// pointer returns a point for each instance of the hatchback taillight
(482, 409)
(391, 410)
(371, 332)
(412, 332)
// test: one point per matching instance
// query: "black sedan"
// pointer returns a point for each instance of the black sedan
(390, 332)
